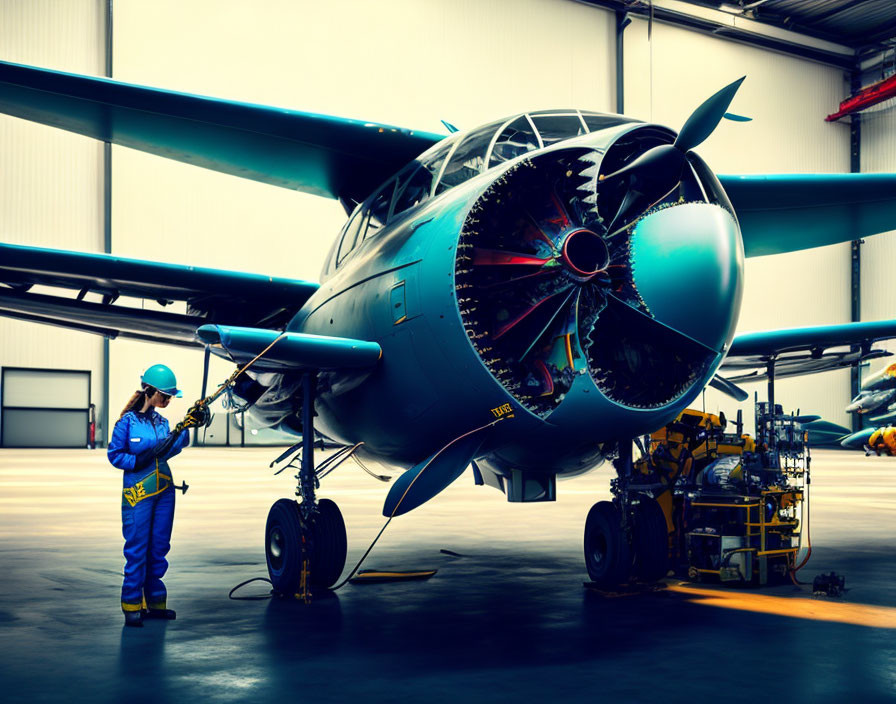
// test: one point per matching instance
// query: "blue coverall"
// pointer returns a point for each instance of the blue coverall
(147, 525)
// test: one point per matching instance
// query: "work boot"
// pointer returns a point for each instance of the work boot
(133, 618)
(163, 614)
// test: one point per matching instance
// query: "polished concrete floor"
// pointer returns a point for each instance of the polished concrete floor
(507, 620)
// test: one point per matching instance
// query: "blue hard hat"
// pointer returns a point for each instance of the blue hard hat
(162, 378)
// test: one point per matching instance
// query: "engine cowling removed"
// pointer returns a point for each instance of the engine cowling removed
(546, 291)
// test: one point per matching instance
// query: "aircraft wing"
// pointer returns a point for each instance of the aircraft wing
(789, 212)
(319, 154)
(808, 350)
(211, 295)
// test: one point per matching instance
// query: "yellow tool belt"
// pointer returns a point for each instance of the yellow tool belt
(152, 484)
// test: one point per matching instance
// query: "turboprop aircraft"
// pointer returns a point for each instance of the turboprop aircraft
(877, 396)
(876, 401)
(524, 297)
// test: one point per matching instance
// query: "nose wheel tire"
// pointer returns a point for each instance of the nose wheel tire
(608, 557)
(329, 544)
(650, 541)
(323, 536)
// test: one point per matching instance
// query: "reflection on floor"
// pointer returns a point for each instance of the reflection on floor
(507, 619)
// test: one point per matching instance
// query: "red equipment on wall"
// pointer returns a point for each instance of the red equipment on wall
(865, 98)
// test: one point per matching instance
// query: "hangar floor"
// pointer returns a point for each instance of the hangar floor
(509, 620)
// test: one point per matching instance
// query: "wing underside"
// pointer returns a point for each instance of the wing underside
(90, 292)
(800, 351)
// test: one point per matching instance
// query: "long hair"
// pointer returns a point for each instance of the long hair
(137, 400)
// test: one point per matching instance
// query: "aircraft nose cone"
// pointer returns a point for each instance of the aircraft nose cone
(687, 265)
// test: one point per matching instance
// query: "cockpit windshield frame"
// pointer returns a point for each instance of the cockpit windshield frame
(441, 156)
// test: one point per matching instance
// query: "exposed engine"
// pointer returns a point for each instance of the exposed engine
(544, 273)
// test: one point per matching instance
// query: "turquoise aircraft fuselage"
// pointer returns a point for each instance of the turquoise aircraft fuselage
(508, 295)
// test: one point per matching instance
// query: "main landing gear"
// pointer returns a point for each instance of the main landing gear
(626, 539)
(305, 541)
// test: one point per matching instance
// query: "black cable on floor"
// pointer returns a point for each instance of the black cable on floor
(251, 598)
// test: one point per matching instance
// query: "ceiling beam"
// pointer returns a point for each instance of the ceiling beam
(722, 24)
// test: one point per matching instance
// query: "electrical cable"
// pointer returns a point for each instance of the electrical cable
(228, 383)
(260, 597)
(394, 510)
(385, 525)
(380, 477)
(796, 569)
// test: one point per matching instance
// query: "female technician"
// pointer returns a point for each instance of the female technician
(141, 444)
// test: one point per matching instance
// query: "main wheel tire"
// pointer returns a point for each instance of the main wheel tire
(284, 536)
(650, 538)
(283, 546)
(608, 557)
(329, 544)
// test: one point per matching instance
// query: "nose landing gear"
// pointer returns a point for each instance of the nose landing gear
(305, 542)
(291, 541)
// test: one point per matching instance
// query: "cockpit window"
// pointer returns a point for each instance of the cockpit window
(483, 148)
(379, 210)
(412, 190)
(597, 121)
(350, 234)
(515, 139)
(556, 127)
(468, 159)
(415, 183)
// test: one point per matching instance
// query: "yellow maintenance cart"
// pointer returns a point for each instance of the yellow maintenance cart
(733, 504)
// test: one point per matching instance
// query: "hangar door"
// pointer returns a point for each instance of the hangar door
(44, 407)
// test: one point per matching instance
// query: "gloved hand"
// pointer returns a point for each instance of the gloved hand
(144, 459)
(147, 457)
(197, 416)
(164, 447)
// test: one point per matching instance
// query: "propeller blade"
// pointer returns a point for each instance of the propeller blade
(736, 118)
(663, 159)
(706, 118)
(652, 176)
(639, 361)
(729, 388)
(426, 479)
(658, 325)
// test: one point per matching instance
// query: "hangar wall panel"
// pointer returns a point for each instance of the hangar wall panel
(406, 63)
(878, 255)
(51, 181)
(466, 62)
(787, 98)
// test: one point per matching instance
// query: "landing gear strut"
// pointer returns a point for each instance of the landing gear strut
(305, 541)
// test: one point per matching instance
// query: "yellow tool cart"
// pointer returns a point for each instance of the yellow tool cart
(733, 504)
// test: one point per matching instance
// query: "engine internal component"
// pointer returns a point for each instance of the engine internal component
(546, 291)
